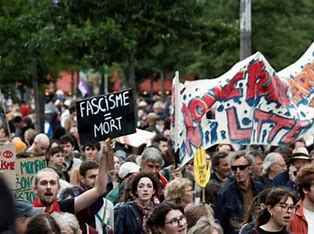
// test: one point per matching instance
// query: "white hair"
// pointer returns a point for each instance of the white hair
(269, 161)
(67, 219)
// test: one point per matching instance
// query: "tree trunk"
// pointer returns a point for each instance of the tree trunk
(131, 70)
(39, 99)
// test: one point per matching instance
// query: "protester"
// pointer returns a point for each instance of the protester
(300, 158)
(68, 144)
(46, 186)
(132, 216)
(114, 180)
(256, 206)
(67, 222)
(56, 162)
(162, 144)
(42, 224)
(20, 126)
(91, 151)
(125, 171)
(206, 225)
(220, 168)
(224, 147)
(275, 217)
(234, 199)
(179, 191)
(258, 163)
(168, 218)
(211, 193)
(101, 217)
(38, 148)
(29, 136)
(82, 215)
(150, 161)
(273, 164)
(4, 133)
(303, 219)
(193, 212)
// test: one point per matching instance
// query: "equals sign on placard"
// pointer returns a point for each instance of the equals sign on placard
(107, 116)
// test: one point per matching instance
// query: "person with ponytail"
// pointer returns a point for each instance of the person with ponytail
(276, 215)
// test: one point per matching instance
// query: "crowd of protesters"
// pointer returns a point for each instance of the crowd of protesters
(252, 189)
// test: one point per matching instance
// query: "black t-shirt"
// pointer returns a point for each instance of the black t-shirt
(261, 231)
(67, 205)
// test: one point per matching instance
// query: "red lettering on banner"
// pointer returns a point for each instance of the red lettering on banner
(261, 83)
(193, 133)
(7, 166)
(260, 116)
(280, 123)
(291, 126)
(295, 131)
(235, 131)
(229, 91)
(198, 108)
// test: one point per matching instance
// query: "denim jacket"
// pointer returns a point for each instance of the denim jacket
(229, 208)
(128, 219)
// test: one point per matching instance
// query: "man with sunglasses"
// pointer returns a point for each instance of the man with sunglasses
(235, 198)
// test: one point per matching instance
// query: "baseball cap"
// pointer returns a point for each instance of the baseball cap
(300, 153)
(25, 208)
(127, 168)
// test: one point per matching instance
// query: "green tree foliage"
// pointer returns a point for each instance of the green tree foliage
(282, 30)
(196, 37)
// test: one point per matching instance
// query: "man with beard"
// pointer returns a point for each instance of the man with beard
(235, 198)
(101, 210)
(46, 186)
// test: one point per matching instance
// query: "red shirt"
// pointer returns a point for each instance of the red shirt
(298, 224)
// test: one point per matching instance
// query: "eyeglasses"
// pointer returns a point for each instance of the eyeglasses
(285, 207)
(175, 221)
(241, 167)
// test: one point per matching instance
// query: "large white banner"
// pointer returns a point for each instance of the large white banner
(250, 104)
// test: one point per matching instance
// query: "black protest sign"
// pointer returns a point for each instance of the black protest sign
(104, 116)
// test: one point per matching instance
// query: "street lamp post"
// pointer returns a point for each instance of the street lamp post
(245, 29)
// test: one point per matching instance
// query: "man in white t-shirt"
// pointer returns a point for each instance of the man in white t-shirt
(303, 219)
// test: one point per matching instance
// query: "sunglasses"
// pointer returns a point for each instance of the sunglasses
(240, 167)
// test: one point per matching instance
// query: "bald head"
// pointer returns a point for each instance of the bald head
(41, 144)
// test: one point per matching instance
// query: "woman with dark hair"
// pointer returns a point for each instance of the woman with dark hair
(256, 206)
(168, 218)
(275, 217)
(43, 224)
(131, 217)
